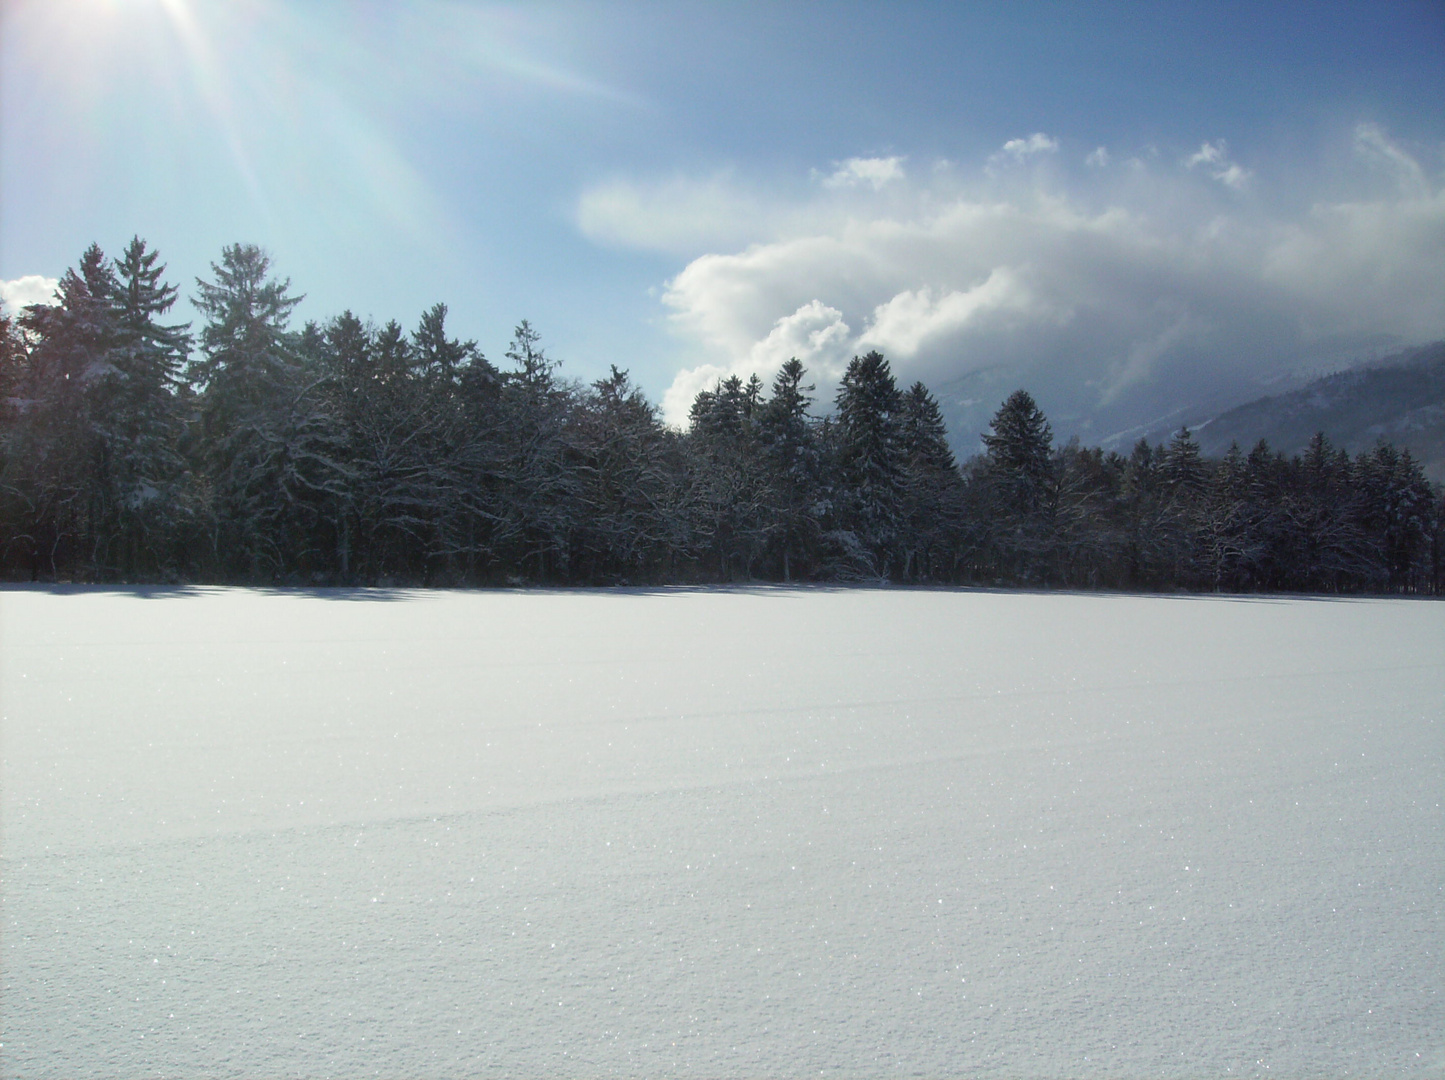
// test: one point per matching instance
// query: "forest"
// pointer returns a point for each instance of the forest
(137, 450)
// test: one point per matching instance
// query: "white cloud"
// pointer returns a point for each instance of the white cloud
(1377, 148)
(874, 172)
(1233, 176)
(1216, 157)
(913, 318)
(1209, 154)
(1037, 143)
(30, 289)
(815, 333)
(1098, 159)
(677, 399)
(1138, 362)
(1108, 292)
(675, 215)
(682, 215)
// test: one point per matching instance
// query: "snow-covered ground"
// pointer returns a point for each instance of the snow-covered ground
(722, 833)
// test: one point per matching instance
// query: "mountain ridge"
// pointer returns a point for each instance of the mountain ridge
(1399, 399)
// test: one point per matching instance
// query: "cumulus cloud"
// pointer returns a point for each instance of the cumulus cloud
(18, 294)
(1115, 295)
(1018, 152)
(913, 318)
(1037, 143)
(1098, 159)
(873, 172)
(815, 333)
(1215, 158)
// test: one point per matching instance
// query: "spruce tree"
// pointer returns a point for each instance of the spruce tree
(436, 355)
(870, 464)
(146, 423)
(540, 504)
(727, 481)
(792, 459)
(1020, 486)
(60, 450)
(627, 483)
(269, 441)
(931, 482)
(1019, 444)
(1181, 466)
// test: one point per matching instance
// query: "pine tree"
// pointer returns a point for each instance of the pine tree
(728, 477)
(931, 482)
(540, 504)
(1231, 546)
(792, 458)
(1335, 549)
(464, 440)
(1181, 466)
(1140, 507)
(385, 513)
(269, 443)
(438, 356)
(58, 460)
(628, 494)
(1021, 490)
(16, 542)
(1090, 532)
(1183, 479)
(1395, 507)
(870, 464)
(923, 433)
(146, 424)
(1019, 445)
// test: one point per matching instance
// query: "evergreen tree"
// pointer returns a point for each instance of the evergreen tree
(144, 420)
(728, 485)
(1090, 533)
(438, 356)
(462, 439)
(541, 497)
(387, 510)
(14, 361)
(922, 432)
(1231, 546)
(16, 514)
(791, 456)
(628, 494)
(1019, 445)
(1020, 488)
(869, 463)
(1181, 466)
(931, 483)
(1336, 550)
(1395, 508)
(1183, 478)
(58, 462)
(268, 441)
(368, 453)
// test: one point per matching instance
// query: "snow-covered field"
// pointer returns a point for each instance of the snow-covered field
(722, 833)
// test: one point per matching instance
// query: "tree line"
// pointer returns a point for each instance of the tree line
(132, 449)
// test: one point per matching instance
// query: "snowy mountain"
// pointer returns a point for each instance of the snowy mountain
(1400, 399)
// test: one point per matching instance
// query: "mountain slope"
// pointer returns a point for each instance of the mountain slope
(1400, 399)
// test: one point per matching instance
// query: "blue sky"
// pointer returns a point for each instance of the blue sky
(1127, 208)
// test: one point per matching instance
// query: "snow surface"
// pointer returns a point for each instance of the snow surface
(721, 833)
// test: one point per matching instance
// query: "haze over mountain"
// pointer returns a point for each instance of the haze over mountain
(1400, 399)
(1141, 215)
